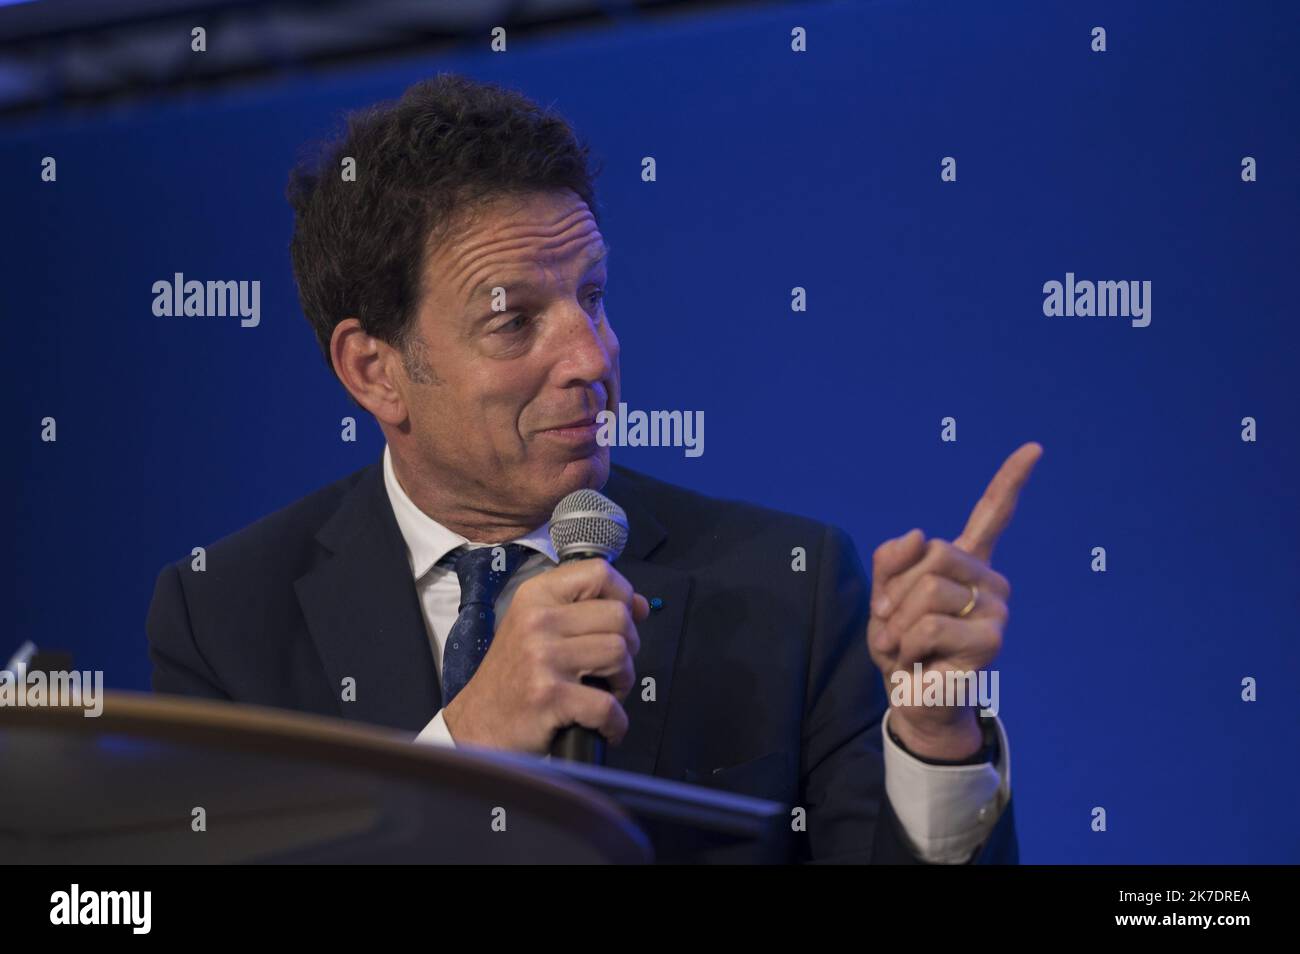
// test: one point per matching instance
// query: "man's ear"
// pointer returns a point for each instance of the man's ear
(369, 368)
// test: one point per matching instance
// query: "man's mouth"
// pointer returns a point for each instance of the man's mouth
(581, 422)
(576, 434)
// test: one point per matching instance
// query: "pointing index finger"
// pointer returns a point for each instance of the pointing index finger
(993, 511)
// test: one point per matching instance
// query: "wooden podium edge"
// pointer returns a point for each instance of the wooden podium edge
(343, 744)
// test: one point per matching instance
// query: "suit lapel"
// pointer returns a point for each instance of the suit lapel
(364, 615)
(660, 633)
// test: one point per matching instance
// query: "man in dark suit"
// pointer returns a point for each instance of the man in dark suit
(455, 283)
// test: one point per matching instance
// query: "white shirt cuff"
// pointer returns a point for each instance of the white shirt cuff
(946, 811)
(436, 733)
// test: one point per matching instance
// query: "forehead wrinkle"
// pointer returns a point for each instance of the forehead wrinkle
(513, 238)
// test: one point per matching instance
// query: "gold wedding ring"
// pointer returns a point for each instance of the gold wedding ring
(974, 595)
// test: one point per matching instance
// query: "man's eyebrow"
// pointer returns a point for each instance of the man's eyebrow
(486, 287)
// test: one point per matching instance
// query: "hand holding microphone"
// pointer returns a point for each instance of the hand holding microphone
(565, 629)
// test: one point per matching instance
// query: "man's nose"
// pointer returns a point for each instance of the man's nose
(586, 347)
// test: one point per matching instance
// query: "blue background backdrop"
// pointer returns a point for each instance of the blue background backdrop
(779, 169)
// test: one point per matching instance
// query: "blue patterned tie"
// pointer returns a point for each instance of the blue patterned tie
(480, 585)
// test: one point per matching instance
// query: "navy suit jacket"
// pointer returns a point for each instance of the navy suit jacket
(764, 684)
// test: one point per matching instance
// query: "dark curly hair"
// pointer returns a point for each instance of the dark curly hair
(424, 161)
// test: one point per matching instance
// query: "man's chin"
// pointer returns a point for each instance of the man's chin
(589, 472)
(594, 470)
(562, 477)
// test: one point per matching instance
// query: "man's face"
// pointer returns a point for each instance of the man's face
(502, 382)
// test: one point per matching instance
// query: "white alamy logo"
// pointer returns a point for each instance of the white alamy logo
(194, 299)
(652, 429)
(39, 690)
(103, 907)
(1087, 299)
(945, 688)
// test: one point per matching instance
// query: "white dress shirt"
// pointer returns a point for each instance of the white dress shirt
(946, 811)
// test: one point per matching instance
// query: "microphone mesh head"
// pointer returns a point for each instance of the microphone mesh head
(586, 520)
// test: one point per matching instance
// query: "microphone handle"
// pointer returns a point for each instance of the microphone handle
(577, 743)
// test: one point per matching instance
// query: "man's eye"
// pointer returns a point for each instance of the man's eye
(597, 296)
(514, 324)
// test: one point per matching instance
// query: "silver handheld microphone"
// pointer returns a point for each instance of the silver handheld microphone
(585, 525)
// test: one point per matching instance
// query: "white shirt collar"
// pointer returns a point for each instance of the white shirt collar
(428, 541)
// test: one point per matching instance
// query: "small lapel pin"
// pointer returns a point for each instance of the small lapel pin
(656, 603)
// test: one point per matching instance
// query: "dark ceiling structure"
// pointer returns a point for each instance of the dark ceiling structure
(58, 53)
